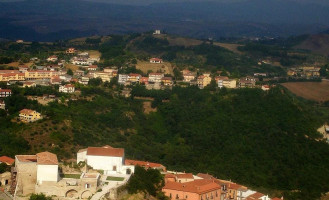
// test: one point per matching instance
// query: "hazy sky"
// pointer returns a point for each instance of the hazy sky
(146, 2)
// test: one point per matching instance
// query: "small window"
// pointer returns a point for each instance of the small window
(114, 168)
(177, 197)
(87, 185)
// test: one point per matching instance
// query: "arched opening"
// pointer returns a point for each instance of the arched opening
(6, 182)
(128, 171)
(0, 183)
(71, 194)
(86, 194)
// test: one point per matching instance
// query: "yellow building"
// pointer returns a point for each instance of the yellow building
(11, 75)
(27, 115)
(40, 74)
(203, 80)
(230, 83)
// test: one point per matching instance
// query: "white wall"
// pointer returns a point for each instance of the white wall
(105, 163)
(47, 173)
(81, 156)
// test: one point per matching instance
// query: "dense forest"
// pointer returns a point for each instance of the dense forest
(264, 140)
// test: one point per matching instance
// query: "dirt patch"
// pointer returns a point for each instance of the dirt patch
(316, 91)
(72, 67)
(147, 66)
(231, 47)
(147, 107)
(94, 54)
(16, 64)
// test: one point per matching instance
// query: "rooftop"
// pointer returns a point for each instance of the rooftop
(143, 163)
(7, 160)
(105, 151)
(47, 158)
(200, 186)
(26, 158)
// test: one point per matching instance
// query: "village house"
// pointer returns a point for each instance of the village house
(84, 80)
(78, 73)
(29, 84)
(247, 82)
(55, 80)
(188, 76)
(156, 60)
(5, 93)
(144, 80)
(92, 68)
(167, 81)
(27, 115)
(146, 165)
(195, 190)
(71, 51)
(157, 32)
(65, 78)
(110, 160)
(52, 58)
(203, 80)
(105, 76)
(40, 174)
(265, 87)
(134, 78)
(260, 74)
(7, 160)
(2, 104)
(68, 88)
(53, 67)
(113, 72)
(23, 68)
(258, 196)
(123, 79)
(155, 77)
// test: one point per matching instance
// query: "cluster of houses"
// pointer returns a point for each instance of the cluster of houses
(304, 72)
(41, 173)
(83, 58)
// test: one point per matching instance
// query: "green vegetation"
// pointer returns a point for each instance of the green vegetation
(39, 197)
(75, 176)
(113, 178)
(149, 181)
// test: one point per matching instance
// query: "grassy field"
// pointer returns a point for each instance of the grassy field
(316, 91)
(75, 176)
(72, 67)
(147, 66)
(113, 178)
(231, 47)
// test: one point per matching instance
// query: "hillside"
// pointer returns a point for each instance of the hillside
(195, 131)
(318, 43)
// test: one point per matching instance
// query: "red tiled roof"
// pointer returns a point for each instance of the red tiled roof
(156, 59)
(47, 158)
(105, 151)
(7, 160)
(5, 90)
(255, 196)
(26, 111)
(198, 186)
(276, 198)
(205, 176)
(143, 164)
(187, 176)
(131, 74)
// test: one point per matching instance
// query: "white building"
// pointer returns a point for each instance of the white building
(110, 160)
(123, 78)
(52, 58)
(156, 60)
(68, 88)
(2, 105)
(157, 32)
(47, 167)
(155, 77)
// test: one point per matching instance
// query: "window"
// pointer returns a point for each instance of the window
(87, 185)
(114, 168)
(177, 197)
(170, 195)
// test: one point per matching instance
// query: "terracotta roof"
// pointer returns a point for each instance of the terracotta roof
(205, 176)
(235, 186)
(47, 158)
(255, 196)
(5, 90)
(105, 151)
(170, 176)
(8, 71)
(68, 85)
(7, 160)
(156, 59)
(275, 198)
(167, 78)
(26, 111)
(187, 176)
(27, 158)
(131, 74)
(13, 74)
(200, 186)
(221, 78)
(92, 66)
(143, 164)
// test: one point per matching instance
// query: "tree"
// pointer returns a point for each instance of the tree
(39, 197)
(70, 72)
(95, 81)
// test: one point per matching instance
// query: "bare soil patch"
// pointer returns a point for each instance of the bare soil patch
(165, 67)
(147, 107)
(316, 91)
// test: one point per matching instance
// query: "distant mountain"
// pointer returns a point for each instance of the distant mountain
(317, 43)
(61, 19)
